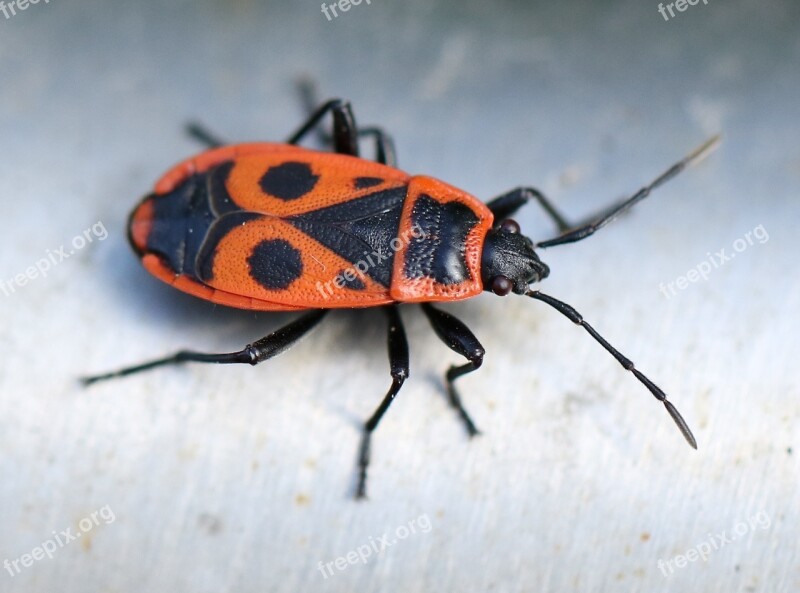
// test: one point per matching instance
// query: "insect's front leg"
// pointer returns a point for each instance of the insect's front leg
(461, 340)
(506, 205)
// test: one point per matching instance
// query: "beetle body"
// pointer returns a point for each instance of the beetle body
(279, 227)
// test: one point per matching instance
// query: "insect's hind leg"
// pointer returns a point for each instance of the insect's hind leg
(461, 340)
(259, 351)
(399, 367)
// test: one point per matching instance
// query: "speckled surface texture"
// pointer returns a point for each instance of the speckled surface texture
(210, 479)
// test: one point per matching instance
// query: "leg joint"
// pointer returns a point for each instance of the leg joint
(476, 356)
(399, 376)
(335, 103)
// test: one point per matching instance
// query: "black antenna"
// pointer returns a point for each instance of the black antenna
(588, 229)
(577, 318)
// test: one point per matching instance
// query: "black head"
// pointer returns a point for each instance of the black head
(509, 262)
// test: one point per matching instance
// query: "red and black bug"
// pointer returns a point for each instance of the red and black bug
(277, 227)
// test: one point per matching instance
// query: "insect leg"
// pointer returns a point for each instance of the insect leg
(398, 363)
(384, 146)
(200, 133)
(583, 231)
(504, 206)
(259, 351)
(345, 136)
(459, 339)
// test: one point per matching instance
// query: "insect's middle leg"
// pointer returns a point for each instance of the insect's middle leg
(398, 363)
(459, 339)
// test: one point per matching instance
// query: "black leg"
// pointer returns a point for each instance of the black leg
(384, 145)
(576, 318)
(345, 136)
(459, 339)
(398, 363)
(504, 206)
(345, 132)
(607, 216)
(264, 349)
(200, 133)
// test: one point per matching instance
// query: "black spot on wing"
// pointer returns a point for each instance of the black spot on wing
(364, 182)
(360, 230)
(289, 181)
(438, 251)
(275, 264)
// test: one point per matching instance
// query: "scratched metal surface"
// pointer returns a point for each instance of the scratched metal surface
(237, 479)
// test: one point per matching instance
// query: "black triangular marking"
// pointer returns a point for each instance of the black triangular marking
(180, 220)
(360, 231)
(218, 197)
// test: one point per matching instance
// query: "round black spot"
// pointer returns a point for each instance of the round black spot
(289, 181)
(275, 264)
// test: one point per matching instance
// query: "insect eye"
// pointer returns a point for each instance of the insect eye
(510, 226)
(501, 285)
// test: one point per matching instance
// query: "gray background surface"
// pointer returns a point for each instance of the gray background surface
(239, 479)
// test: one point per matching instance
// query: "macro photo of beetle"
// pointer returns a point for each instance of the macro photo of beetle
(515, 280)
(262, 226)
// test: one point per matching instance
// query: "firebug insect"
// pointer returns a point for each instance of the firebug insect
(278, 227)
